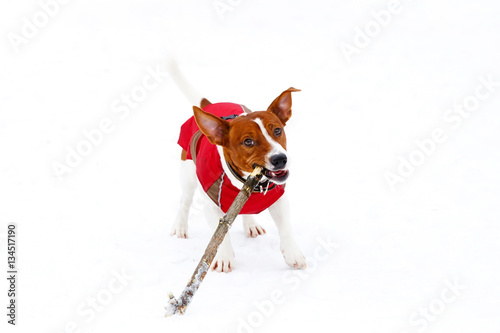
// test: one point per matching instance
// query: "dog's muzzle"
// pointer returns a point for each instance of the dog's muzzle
(279, 173)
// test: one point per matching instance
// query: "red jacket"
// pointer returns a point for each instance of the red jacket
(209, 169)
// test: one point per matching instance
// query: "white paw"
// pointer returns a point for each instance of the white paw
(180, 230)
(293, 257)
(252, 229)
(223, 262)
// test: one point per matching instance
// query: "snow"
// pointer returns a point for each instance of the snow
(94, 249)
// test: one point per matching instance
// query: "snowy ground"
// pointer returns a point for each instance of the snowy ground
(420, 256)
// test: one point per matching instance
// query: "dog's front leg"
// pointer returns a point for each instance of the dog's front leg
(224, 259)
(251, 228)
(280, 212)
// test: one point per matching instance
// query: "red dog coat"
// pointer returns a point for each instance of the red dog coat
(209, 169)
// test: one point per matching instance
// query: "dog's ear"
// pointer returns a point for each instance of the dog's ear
(204, 102)
(214, 128)
(282, 105)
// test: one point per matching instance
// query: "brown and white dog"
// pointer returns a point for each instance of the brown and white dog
(235, 143)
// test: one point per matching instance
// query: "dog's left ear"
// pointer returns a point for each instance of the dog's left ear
(282, 105)
(214, 128)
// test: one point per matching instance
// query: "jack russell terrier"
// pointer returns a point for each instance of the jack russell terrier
(226, 141)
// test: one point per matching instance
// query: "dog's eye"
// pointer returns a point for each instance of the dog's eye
(278, 131)
(248, 142)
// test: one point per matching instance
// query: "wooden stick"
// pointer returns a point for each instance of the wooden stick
(179, 305)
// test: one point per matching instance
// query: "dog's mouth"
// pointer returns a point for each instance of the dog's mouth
(277, 176)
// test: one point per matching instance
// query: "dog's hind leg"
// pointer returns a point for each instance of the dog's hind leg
(188, 186)
(252, 228)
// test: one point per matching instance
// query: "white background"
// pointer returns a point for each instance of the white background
(351, 123)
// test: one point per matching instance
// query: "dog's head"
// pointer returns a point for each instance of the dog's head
(257, 138)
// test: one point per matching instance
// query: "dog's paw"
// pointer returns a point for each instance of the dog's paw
(293, 257)
(180, 230)
(252, 229)
(223, 262)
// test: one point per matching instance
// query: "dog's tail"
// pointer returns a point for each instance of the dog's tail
(184, 85)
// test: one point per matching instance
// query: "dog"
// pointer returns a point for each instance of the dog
(221, 144)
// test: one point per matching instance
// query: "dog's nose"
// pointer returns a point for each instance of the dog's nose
(279, 161)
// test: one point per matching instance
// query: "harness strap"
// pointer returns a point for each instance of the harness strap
(194, 143)
(215, 189)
